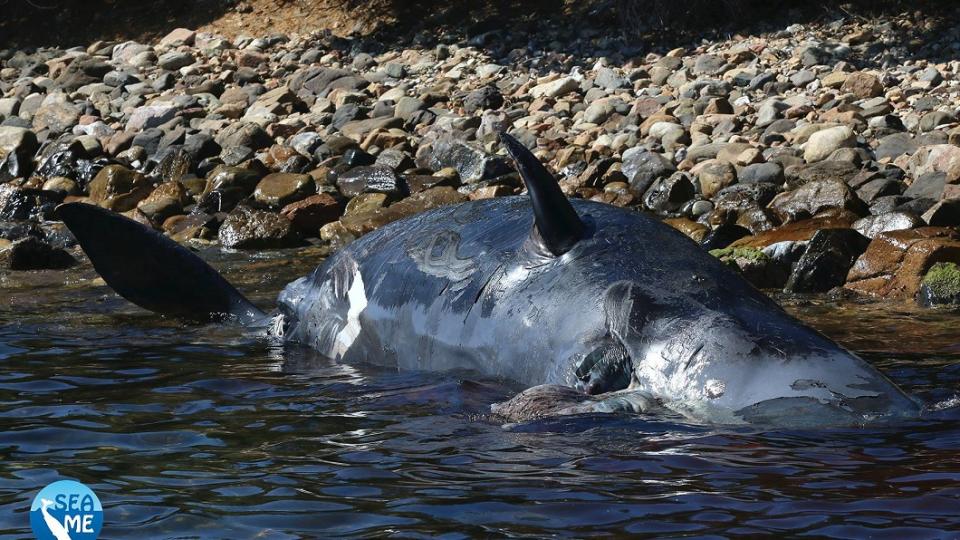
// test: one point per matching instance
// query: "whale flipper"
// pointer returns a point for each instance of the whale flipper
(557, 222)
(153, 271)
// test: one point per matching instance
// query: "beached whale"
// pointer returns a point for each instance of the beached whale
(536, 289)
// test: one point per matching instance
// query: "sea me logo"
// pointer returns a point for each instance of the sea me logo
(66, 510)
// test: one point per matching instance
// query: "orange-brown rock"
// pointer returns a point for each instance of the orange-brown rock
(798, 231)
(895, 262)
(313, 212)
(692, 229)
(863, 85)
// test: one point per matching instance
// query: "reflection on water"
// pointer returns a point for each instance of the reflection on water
(210, 432)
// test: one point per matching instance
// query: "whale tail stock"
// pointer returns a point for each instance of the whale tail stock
(153, 271)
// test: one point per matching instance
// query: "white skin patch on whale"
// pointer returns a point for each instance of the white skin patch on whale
(438, 257)
(357, 298)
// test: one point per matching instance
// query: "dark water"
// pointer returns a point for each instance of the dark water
(189, 432)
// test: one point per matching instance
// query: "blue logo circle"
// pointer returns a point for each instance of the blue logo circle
(66, 510)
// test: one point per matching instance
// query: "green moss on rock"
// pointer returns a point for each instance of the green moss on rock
(943, 280)
(742, 253)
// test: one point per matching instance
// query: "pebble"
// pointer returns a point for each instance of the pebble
(331, 138)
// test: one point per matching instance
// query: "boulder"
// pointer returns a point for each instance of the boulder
(895, 262)
(827, 260)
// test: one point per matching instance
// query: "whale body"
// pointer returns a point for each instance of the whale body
(538, 290)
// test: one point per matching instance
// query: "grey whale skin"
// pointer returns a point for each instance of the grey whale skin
(574, 293)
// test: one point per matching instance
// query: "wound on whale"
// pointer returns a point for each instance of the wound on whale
(594, 308)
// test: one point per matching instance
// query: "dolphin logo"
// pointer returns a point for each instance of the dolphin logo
(56, 528)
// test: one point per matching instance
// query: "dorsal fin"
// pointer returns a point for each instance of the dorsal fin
(556, 222)
(151, 270)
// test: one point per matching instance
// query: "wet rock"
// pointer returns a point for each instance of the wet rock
(22, 203)
(895, 262)
(370, 179)
(543, 401)
(827, 260)
(196, 225)
(313, 212)
(32, 253)
(14, 166)
(119, 189)
(279, 189)
(61, 185)
(871, 226)
(798, 231)
(723, 236)
(227, 186)
(471, 162)
(826, 141)
(247, 228)
(815, 197)
(168, 199)
(940, 286)
(691, 229)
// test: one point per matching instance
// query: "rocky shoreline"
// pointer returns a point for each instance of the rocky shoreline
(815, 158)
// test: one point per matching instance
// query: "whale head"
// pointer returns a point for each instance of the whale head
(732, 360)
